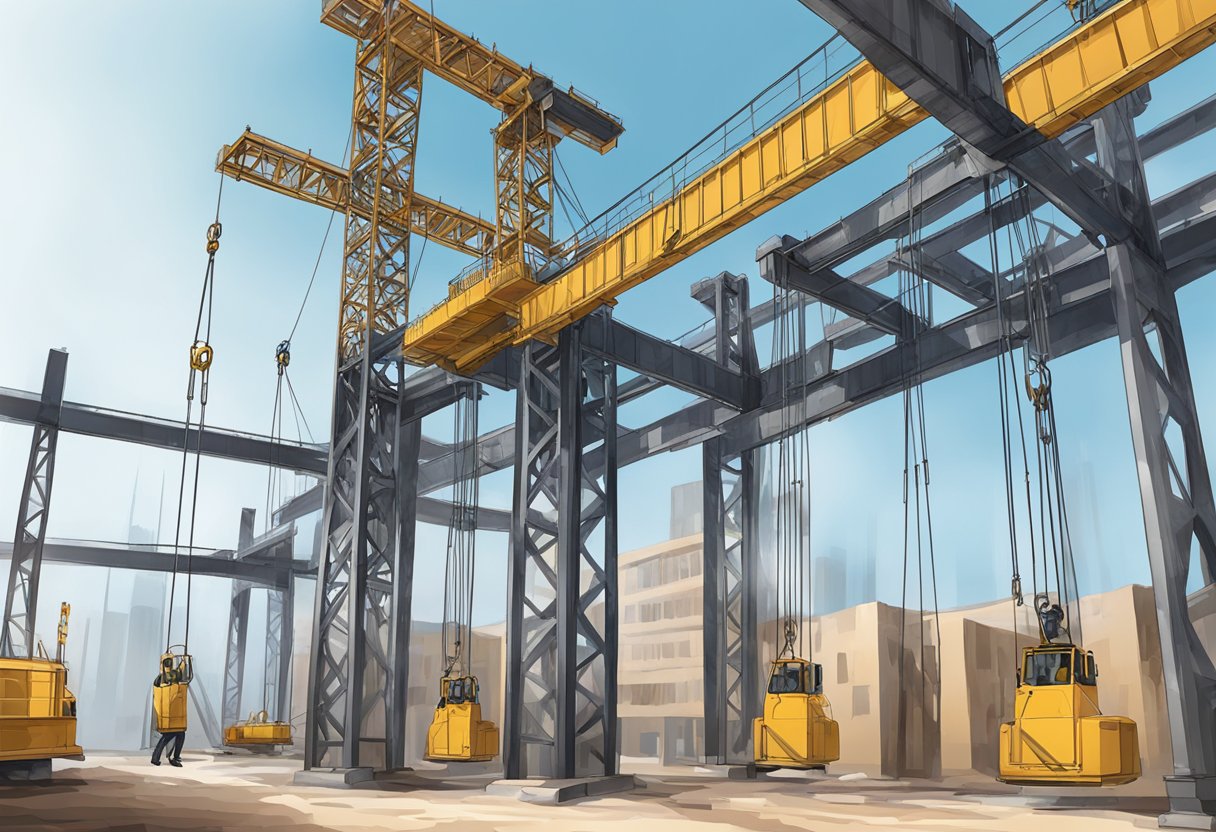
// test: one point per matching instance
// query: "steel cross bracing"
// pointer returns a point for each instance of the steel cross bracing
(560, 717)
(354, 698)
(21, 600)
(1175, 488)
(731, 695)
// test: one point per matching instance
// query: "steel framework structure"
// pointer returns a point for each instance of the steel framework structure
(560, 718)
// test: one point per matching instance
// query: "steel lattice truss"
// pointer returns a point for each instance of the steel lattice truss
(562, 614)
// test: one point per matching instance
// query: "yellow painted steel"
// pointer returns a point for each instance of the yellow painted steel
(457, 732)
(1091, 66)
(37, 711)
(286, 170)
(797, 729)
(1059, 735)
(171, 692)
(258, 730)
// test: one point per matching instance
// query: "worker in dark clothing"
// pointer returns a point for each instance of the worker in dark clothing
(169, 676)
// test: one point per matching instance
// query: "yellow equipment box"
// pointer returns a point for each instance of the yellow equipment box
(258, 730)
(171, 692)
(797, 729)
(457, 732)
(37, 711)
(1059, 736)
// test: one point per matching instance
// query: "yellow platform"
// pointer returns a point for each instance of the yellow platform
(1059, 735)
(797, 729)
(457, 732)
(37, 711)
(258, 730)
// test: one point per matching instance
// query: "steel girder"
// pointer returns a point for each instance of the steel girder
(731, 535)
(360, 642)
(234, 654)
(1175, 488)
(21, 600)
(560, 717)
(947, 63)
(21, 406)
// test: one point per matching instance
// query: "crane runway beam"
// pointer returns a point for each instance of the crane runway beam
(1091, 66)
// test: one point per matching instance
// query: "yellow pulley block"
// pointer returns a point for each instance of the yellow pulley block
(1059, 735)
(171, 691)
(213, 237)
(457, 732)
(282, 355)
(1039, 394)
(201, 354)
(258, 730)
(797, 729)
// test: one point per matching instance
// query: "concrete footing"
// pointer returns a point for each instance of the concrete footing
(23, 771)
(1192, 803)
(561, 791)
(333, 778)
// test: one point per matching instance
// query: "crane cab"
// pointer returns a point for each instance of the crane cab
(171, 691)
(1058, 735)
(797, 729)
(457, 732)
(258, 730)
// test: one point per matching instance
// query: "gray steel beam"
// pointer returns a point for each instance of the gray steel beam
(781, 266)
(17, 634)
(213, 564)
(21, 407)
(1175, 488)
(667, 362)
(409, 438)
(947, 63)
(429, 509)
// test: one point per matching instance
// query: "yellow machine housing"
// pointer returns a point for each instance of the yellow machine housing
(797, 729)
(170, 702)
(457, 732)
(1059, 736)
(37, 711)
(258, 730)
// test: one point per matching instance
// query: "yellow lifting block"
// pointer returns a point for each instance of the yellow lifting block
(457, 732)
(258, 730)
(171, 691)
(797, 729)
(1059, 736)
(37, 711)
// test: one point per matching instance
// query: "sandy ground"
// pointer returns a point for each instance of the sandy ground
(126, 794)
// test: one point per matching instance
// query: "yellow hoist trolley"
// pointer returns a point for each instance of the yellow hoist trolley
(1059, 735)
(37, 711)
(457, 732)
(797, 729)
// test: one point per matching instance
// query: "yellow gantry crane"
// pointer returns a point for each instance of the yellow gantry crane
(388, 90)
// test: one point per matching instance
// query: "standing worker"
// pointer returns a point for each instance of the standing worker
(169, 698)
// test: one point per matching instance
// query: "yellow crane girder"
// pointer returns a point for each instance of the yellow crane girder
(286, 170)
(1090, 67)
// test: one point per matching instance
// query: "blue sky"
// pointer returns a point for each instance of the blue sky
(107, 147)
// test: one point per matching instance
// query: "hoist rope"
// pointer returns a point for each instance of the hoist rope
(915, 293)
(201, 355)
(461, 561)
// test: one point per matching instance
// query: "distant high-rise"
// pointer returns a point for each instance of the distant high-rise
(687, 508)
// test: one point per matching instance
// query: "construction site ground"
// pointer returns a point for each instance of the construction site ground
(121, 791)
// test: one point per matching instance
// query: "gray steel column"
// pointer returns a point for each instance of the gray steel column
(21, 600)
(713, 592)
(409, 447)
(352, 660)
(1175, 491)
(562, 607)
(728, 570)
(234, 655)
